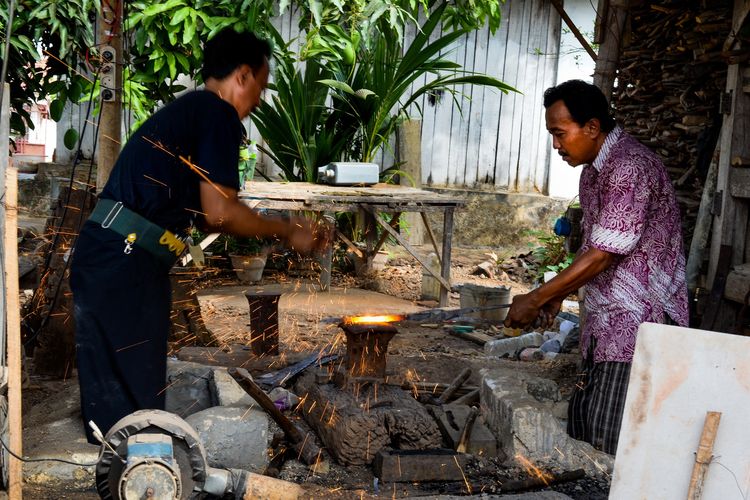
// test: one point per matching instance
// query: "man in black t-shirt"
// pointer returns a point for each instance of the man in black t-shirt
(178, 169)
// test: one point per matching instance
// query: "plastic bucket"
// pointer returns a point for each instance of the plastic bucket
(484, 296)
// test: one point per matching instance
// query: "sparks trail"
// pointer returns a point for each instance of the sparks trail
(111, 139)
(155, 180)
(195, 168)
(195, 211)
(71, 68)
(132, 345)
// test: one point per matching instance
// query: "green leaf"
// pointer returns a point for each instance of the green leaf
(162, 7)
(316, 8)
(159, 64)
(56, 108)
(171, 64)
(189, 32)
(70, 139)
(181, 14)
(74, 91)
(183, 61)
(343, 86)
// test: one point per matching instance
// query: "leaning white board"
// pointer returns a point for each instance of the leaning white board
(679, 374)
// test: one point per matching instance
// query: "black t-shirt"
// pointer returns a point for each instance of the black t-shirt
(150, 178)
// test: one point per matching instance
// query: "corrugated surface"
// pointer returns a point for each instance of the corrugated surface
(498, 141)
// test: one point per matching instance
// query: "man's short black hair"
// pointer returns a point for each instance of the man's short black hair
(584, 102)
(226, 51)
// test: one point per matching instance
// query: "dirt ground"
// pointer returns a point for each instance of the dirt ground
(424, 353)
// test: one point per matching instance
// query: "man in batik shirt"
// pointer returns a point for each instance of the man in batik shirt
(631, 261)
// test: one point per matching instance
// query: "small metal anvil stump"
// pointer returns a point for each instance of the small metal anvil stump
(366, 350)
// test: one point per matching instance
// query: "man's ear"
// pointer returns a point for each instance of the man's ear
(243, 72)
(593, 127)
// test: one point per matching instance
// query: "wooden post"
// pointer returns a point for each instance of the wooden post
(704, 455)
(702, 233)
(5, 134)
(109, 32)
(409, 147)
(13, 315)
(609, 50)
(445, 264)
(731, 218)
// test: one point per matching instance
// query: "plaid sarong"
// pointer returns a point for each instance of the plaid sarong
(597, 404)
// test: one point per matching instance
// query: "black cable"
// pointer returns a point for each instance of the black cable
(26, 459)
(76, 161)
(81, 212)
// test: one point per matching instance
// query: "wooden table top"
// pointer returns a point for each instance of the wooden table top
(326, 197)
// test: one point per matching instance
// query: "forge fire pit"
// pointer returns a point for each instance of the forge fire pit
(367, 339)
(360, 414)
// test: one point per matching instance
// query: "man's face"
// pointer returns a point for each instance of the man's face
(252, 86)
(576, 144)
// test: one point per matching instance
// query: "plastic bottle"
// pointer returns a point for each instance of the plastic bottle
(509, 346)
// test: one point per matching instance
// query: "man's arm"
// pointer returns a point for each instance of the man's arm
(223, 212)
(584, 268)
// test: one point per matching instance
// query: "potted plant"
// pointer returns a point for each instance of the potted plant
(248, 257)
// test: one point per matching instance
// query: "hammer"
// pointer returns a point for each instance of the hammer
(462, 377)
(307, 451)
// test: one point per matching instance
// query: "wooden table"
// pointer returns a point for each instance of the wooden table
(371, 202)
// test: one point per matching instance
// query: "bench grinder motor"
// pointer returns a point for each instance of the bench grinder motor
(156, 454)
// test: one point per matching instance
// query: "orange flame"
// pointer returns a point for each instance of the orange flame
(533, 470)
(383, 318)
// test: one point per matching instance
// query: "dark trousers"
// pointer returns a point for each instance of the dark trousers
(597, 404)
(122, 304)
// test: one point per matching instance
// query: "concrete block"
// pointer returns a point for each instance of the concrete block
(451, 420)
(188, 388)
(234, 437)
(526, 427)
(225, 391)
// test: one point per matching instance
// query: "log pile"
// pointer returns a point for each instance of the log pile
(671, 76)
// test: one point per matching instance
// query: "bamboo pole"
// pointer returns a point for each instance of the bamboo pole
(704, 455)
(574, 29)
(13, 315)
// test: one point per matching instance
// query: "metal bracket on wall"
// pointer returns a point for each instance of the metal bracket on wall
(725, 103)
(717, 203)
(109, 60)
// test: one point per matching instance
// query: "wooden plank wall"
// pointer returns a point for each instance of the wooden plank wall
(491, 141)
(497, 141)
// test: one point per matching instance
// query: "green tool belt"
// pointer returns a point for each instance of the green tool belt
(137, 230)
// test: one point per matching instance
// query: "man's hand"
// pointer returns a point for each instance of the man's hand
(523, 312)
(549, 312)
(307, 237)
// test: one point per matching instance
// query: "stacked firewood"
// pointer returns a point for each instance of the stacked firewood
(671, 76)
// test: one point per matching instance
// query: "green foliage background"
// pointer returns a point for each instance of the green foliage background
(351, 51)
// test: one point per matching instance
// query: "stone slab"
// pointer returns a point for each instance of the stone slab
(679, 374)
(188, 389)
(234, 437)
(225, 391)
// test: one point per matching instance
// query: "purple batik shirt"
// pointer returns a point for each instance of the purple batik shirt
(630, 210)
